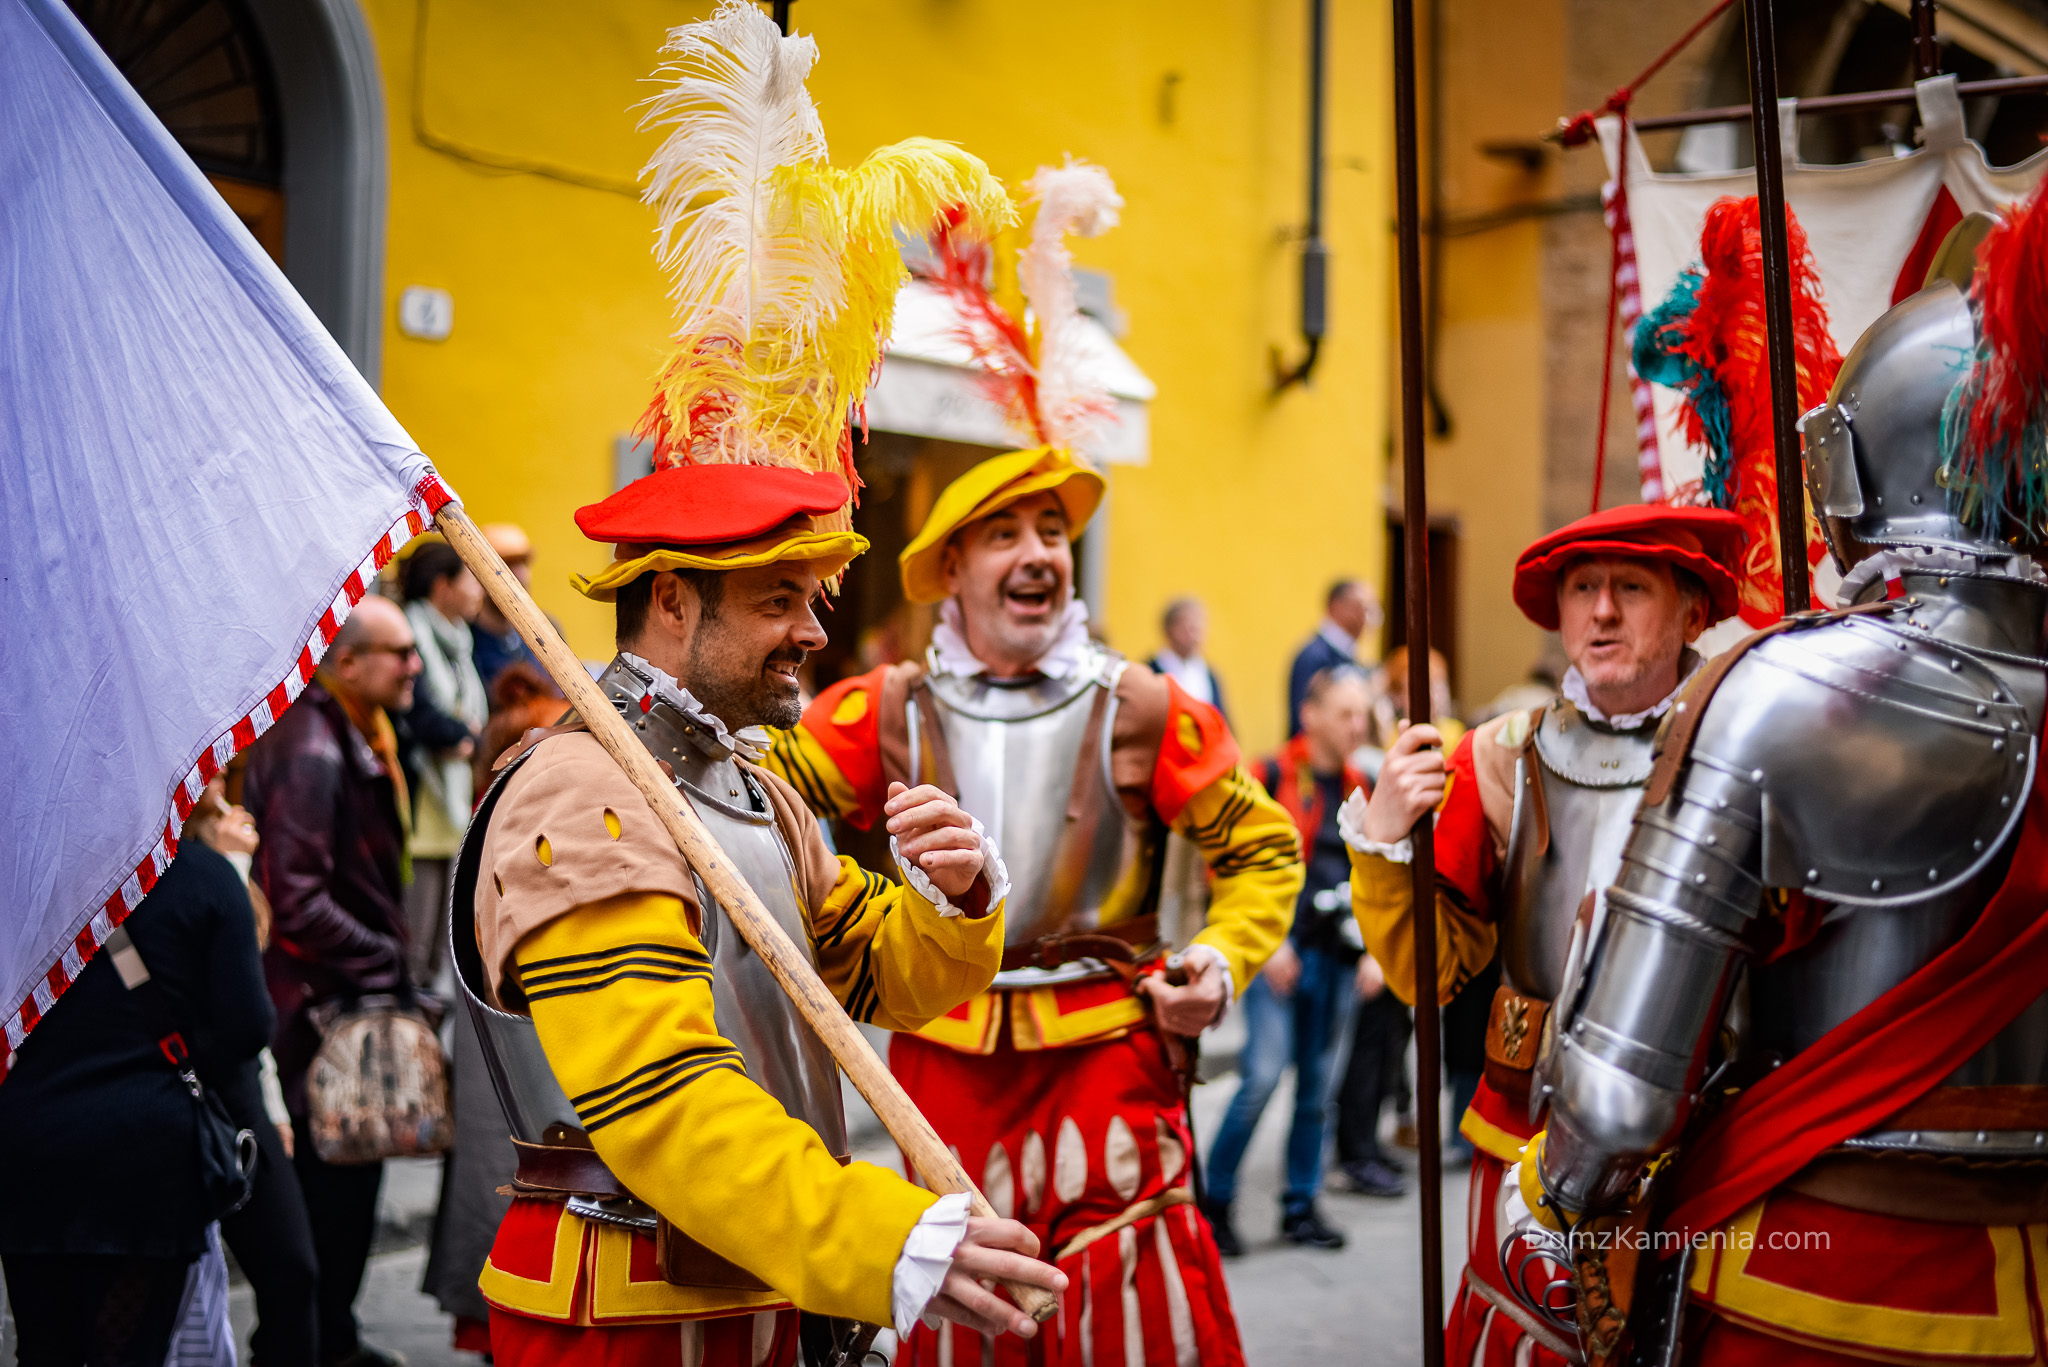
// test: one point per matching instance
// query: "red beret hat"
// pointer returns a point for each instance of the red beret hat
(699, 505)
(1706, 541)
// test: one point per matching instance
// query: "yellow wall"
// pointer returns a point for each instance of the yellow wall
(1251, 502)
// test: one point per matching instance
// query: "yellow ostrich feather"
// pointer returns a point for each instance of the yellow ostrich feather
(783, 270)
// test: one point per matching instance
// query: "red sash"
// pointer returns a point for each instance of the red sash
(1887, 1055)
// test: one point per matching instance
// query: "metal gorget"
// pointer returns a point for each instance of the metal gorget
(1031, 760)
(1565, 840)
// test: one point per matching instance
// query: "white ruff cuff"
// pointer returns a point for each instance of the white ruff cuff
(1351, 825)
(927, 1253)
(991, 868)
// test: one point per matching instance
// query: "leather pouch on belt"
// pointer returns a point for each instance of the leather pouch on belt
(1514, 1028)
(685, 1262)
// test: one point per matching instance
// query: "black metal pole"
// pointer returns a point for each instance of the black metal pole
(1315, 253)
(1415, 538)
(1770, 194)
(782, 15)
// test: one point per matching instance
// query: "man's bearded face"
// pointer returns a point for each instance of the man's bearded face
(1013, 573)
(1624, 623)
(745, 653)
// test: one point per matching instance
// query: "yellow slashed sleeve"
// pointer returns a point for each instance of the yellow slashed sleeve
(1254, 859)
(1382, 896)
(620, 992)
(891, 959)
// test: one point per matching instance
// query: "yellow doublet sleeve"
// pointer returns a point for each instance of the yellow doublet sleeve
(620, 992)
(889, 956)
(1254, 858)
(1382, 896)
(799, 760)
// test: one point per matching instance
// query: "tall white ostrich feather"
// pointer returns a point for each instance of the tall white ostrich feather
(1077, 198)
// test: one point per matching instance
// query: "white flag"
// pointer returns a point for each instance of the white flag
(195, 488)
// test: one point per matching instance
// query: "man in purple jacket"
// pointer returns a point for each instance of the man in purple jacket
(326, 789)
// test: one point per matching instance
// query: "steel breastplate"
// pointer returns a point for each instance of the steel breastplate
(783, 1055)
(1592, 778)
(1016, 753)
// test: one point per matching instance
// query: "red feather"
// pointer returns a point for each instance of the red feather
(998, 342)
(2007, 389)
(1726, 335)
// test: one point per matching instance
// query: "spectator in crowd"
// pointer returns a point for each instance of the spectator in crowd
(1185, 625)
(496, 642)
(1377, 1070)
(522, 697)
(327, 792)
(1299, 1008)
(104, 1211)
(1350, 611)
(271, 1236)
(441, 596)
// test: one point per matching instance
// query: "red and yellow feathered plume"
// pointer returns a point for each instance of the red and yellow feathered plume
(783, 269)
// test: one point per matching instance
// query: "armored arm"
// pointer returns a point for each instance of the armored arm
(1633, 1031)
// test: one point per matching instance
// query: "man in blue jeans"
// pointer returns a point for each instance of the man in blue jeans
(1299, 1009)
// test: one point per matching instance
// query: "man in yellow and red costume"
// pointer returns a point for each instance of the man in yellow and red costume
(1531, 812)
(683, 1182)
(1062, 1088)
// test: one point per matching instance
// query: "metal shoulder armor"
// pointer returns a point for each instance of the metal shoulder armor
(1855, 760)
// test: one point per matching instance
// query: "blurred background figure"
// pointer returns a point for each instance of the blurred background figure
(1350, 610)
(494, 642)
(1390, 708)
(105, 1214)
(1298, 1009)
(446, 718)
(1185, 625)
(271, 1236)
(328, 793)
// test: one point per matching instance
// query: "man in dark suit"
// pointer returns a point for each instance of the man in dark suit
(1350, 611)
(1185, 625)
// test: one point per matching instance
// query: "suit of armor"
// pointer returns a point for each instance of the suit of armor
(1843, 805)
(1054, 1086)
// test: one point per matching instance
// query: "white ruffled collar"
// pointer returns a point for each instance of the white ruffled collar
(1573, 686)
(949, 653)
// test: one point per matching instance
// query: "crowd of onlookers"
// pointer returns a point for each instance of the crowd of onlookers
(311, 883)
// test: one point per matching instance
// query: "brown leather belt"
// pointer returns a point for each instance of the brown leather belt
(1976, 1108)
(1118, 944)
(563, 1170)
(1949, 1191)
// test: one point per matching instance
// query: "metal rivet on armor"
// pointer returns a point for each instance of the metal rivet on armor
(1982, 710)
(2005, 801)
(1943, 581)
(1913, 602)
(1813, 875)
(1913, 1138)
(1755, 776)
(1983, 1138)
(1977, 845)
(1955, 664)
(1916, 498)
(1880, 500)
(1699, 879)
(1998, 744)
(1877, 885)
(732, 792)
(2040, 1138)
(640, 725)
(1934, 875)
(1713, 840)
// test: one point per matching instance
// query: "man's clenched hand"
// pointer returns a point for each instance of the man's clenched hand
(1411, 782)
(993, 1249)
(933, 833)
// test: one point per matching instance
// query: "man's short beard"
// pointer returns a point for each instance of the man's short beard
(738, 696)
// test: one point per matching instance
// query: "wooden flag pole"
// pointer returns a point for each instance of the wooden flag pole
(1415, 521)
(935, 1164)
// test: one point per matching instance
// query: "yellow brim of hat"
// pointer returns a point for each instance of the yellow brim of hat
(827, 552)
(989, 488)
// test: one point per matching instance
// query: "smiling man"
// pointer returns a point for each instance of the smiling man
(1063, 1088)
(1532, 811)
(683, 1184)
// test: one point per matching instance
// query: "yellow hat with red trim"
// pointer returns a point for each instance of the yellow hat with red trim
(718, 517)
(988, 488)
